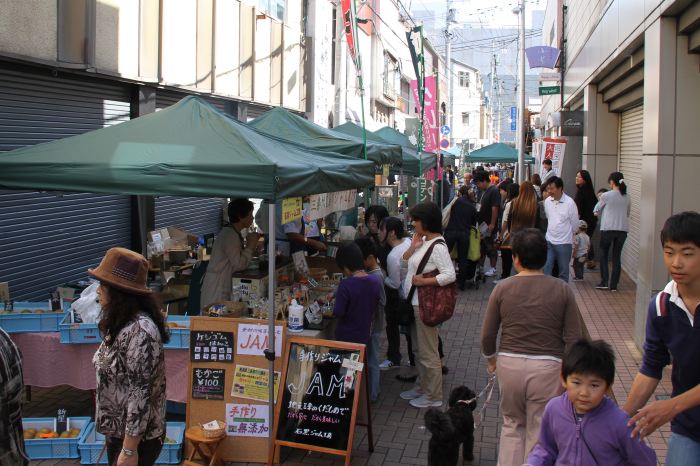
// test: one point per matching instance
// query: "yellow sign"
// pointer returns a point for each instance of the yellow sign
(385, 170)
(291, 209)
(252, 383)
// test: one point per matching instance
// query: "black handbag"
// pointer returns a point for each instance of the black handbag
(405, 309)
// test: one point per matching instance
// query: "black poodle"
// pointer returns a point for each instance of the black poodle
(452, 428)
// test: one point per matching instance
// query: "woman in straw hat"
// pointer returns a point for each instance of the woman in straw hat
(130, 362)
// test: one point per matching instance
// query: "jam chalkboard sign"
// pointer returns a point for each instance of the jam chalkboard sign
(321, 383)
(211, 346)
(208, 383)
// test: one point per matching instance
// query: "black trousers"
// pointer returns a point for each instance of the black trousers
(615, 240)
(461, 240)
(148, 450)
(393, 333)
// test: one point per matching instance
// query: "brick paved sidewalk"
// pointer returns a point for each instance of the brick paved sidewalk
(400, 438)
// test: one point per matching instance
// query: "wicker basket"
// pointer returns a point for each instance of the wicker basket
(215, 433)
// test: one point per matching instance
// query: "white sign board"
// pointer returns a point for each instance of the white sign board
(253, 339)
(321, 205)
(244, 420)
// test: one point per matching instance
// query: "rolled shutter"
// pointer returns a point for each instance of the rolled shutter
(53, 238)
(630, 164)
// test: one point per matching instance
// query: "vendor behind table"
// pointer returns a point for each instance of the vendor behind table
(231, 252)
(290, 237)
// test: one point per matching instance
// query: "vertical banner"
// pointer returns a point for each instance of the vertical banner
(553, 149)
(513, 118)
(349, 30)
(430, 116)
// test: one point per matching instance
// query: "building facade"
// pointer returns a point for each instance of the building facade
(466, 106)
(68, 67)
(633, 67)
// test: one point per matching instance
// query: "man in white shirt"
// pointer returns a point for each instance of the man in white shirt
(562, 223)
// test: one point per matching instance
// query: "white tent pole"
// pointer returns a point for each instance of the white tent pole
(271, 279)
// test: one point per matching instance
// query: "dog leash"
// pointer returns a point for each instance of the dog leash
(488, 388)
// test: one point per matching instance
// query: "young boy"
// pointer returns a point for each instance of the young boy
(582, 244)
(369, 255)
(583, 426)
(672, 335)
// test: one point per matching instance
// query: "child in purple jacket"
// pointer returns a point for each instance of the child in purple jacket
(583, 426)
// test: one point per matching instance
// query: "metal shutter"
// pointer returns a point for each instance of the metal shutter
(197, 215)
(52, 238)
(255, 111)
(630, 164)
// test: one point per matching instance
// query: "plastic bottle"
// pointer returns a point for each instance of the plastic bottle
(295, 321)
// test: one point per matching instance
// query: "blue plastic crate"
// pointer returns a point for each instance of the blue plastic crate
(52, 448)
(89, 333)
(78, 333)
(25, 322)
(179, 337)
(92, 442)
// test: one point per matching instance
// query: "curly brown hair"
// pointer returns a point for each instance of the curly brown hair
(121, 308)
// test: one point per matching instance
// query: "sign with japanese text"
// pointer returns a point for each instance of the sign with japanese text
(430, 114)
(252, 383)
(243, 420)
(211, 346)
(553, 149)
(513, 118)
(321, 205)
(208, 383)
(291, 209)
(319, 394)
(348, 23)
(253, 339)
(550, 90)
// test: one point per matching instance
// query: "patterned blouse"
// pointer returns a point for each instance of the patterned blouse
(11, 389)
(131, 382)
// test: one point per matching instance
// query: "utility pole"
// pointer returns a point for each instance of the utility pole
(491, 88)
(449, 20)
(521, 100)
(498, 109)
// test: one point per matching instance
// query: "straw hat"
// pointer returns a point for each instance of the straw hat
(123, 269)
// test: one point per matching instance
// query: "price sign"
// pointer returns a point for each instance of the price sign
(61, 420)
(291, 209)
(211, 346)
(208, 383)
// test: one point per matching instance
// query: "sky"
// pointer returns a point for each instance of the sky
(475, 13)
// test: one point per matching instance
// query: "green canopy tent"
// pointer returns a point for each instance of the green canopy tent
(495, 153)
(413, 163)
(281, 123)
(188, 149)
(450, 155)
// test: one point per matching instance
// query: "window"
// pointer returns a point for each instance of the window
(465, 118)
(463, 77)
(273, 8)
(389, 76)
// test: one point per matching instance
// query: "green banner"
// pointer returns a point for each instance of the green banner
(550, 90)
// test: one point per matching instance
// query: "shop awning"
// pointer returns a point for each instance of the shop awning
(188, 149)
(495, 153)
(283, 124)
(411, 163)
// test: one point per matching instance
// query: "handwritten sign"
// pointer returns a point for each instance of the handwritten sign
(208, 384)
(211, 346)
(244, 420)
(291, 209)
(252, 383)
(253, 339)
(319, 395)
(61, 420)
(321, 205)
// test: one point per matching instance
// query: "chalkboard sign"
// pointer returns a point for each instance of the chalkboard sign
(208, 383)
(321, 383)
(211, 346)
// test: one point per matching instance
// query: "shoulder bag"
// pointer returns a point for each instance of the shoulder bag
(405, 316)
(436, 303)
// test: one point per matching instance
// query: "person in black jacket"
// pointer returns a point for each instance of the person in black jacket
(462, 217)
(585, 201)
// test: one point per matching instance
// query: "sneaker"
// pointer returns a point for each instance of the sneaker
(387, 364)
(602, 286)
(613, 289)
(411, 394)
(424, 402)
(576, 279)
(490, 272)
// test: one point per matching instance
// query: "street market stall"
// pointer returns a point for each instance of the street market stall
(495, 153)
(189, 149)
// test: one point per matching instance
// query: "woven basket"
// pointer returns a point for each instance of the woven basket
(215, 433)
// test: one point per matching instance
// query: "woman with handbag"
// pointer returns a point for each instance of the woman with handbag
(429, 266)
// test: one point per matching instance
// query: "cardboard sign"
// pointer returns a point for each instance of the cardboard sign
(319, 395)
(206, 346)
(208, 383)
(291, 209)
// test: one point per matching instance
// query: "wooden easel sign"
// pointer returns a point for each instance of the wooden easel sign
(321, 382)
